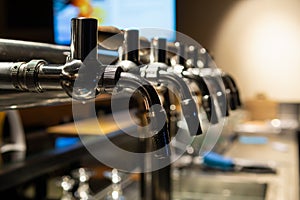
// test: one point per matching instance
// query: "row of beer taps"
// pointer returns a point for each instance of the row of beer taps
(182, 88)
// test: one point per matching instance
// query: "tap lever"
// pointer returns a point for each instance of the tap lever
(131, 45)
(181, 54)
(158, 50)
(84, 38)
(207, 101)
(177, 84)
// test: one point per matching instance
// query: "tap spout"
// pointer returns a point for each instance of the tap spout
(235, 89)
(161, 138)
(207, 103)
(188, 105)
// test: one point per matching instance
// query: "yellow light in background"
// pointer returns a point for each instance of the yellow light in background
(275, 42)
(259, 44)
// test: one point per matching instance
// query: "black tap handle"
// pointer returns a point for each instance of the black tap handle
(159, 50)
(181, 54)
(207, 100)
(221, 97)
(131, 45)
(238, 98)
(84, 38)
(193, 55)
(191, 117)
(204, 57)
(230, 93)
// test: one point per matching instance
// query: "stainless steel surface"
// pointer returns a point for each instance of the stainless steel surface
(194, 183)
(34, 83)
(193, 186)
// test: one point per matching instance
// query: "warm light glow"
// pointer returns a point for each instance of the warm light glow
(274, 43)
(276, 123)
(259, 44)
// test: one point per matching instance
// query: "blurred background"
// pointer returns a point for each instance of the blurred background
(255, 41)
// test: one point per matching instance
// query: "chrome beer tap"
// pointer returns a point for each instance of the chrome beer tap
(83, 78)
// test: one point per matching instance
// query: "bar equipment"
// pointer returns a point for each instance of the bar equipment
(69, 78)
(164, 80)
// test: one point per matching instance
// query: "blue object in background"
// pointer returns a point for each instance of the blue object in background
(253, 140)
(215, 160)
(65, 141)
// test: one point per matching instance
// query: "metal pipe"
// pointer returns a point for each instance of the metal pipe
(33, 76)
(35, 83)
(16, 50)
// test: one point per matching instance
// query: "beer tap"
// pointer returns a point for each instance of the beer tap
(184, 65)
(233, 89)
(210, 73)
(230, 92)
(83, 77)
(158, 73)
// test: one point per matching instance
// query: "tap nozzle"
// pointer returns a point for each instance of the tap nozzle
(235, 87)
(161, 138)
(230, 93)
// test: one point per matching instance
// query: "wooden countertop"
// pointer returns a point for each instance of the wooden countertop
(92, 126)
